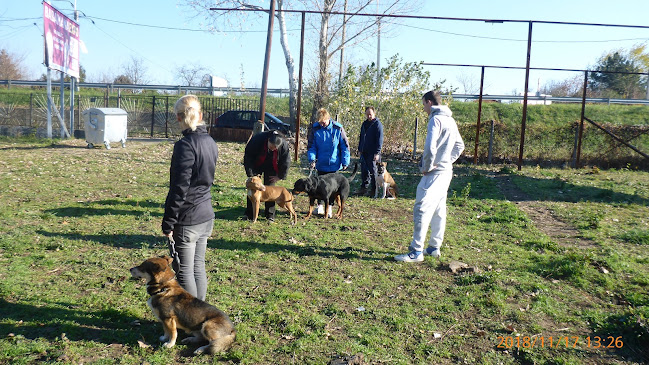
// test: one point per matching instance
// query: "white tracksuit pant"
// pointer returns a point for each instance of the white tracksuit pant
(430, 210)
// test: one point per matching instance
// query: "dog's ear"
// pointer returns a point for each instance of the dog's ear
(168, 259)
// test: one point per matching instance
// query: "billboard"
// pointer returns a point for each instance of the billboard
(61, 41)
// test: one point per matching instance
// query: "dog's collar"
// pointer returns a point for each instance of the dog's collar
(155, 291)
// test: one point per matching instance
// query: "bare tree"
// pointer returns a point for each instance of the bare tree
(469, 84)
(191, 74)
(11, 66)
(135, 70)
(104, 76)
(123, 79)
(357, 29)
(572, 86)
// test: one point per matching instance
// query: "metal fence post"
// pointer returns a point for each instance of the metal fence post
(79, 110)
(573, 160)
(152, 115)
(167, 118)
(491, 142)
(581, 122)
(414, 149)
(31, 109)
(477, 129)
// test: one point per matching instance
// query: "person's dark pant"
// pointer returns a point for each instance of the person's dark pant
(368, 172)
(331, 202)
(269, 207)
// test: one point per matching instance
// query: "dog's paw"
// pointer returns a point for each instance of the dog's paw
(192, 339)
(203, 349)
(169, 344)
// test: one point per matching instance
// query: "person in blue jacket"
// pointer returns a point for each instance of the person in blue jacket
(328, 147)
(370, 143)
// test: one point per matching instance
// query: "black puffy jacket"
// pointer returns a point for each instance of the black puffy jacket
(189, 201)
(254, 157)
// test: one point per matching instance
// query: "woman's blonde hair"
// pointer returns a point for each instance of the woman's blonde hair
(188, 110)
(323, 114)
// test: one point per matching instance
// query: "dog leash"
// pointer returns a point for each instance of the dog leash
(172, 250)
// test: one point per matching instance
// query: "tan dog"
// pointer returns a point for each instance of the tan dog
(258, 192)
(175, 308)
(384, 182)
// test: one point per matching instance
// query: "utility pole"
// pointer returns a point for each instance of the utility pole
(378, 46)
(342, 45)
(72, 80)
(264, 80)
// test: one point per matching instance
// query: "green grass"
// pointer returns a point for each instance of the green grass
(75, 220)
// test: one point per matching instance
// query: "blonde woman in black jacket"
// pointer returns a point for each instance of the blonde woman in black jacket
(189, 216)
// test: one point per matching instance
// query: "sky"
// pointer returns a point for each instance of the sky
(165, 35)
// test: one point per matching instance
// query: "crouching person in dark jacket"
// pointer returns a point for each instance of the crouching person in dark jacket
(266, 153)
(189, 216)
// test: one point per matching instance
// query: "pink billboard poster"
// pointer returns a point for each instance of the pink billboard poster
(61, 41)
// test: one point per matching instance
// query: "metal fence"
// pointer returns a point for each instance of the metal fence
(148, 115)
(554, 144)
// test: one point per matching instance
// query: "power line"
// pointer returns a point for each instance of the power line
(131, 49)
(523, 40)
(174, 28)
(18, 19)
(90, 17)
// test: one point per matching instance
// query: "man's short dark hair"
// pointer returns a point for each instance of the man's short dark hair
(370, 108)
(433, 96)
(275, 139)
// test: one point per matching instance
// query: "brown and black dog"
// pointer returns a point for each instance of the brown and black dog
(329, 187)
(385, 185)
(258, 192)
(175, 308)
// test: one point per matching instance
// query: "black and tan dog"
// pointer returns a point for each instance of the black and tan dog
(175, 308)
(330, 187)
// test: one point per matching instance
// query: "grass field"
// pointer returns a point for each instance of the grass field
(569, 286)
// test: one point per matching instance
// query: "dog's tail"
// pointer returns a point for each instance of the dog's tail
(353, 173)
(221, 344)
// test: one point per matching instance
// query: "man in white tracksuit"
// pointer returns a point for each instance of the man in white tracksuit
(443, 146)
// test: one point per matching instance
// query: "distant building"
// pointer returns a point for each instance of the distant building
(216, 81)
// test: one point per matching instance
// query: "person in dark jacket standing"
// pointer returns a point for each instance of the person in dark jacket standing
(370, 143)
(266, 153)
(189, 218)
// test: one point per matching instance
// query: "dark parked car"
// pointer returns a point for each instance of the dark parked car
(245, 119)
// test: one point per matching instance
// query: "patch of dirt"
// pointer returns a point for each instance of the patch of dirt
(543, 218)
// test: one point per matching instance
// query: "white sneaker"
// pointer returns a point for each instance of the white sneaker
(331, 211)
(412, 256)
(431, 251)
(320, 209)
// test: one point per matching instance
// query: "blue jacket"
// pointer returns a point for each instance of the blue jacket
(370, 141)
(328, 146)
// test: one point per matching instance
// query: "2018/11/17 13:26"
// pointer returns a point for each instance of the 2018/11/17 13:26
(596, 342)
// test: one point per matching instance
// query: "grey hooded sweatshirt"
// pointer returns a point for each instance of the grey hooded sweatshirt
(444, 143)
